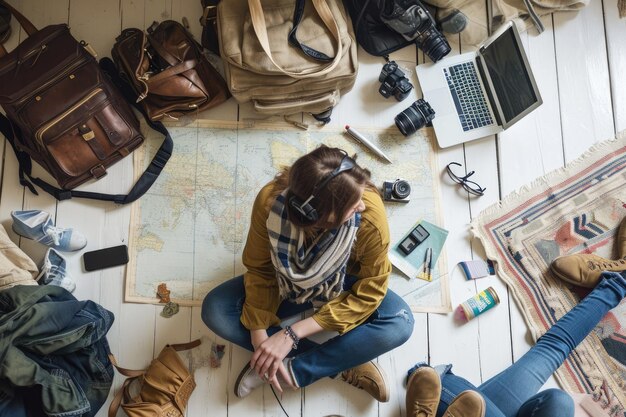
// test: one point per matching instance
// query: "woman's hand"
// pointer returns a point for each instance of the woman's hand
(257, 338)
(268, 358)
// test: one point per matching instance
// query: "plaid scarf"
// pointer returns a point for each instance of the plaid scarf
(309, 271)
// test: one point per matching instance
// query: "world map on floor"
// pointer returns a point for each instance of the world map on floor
(189, 230)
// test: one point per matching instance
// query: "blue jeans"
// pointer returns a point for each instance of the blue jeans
(513, 392)
(389, 326)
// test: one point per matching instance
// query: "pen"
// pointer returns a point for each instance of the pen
(428, 263)
(369, 145)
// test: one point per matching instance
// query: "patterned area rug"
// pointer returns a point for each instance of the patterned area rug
(574, 209)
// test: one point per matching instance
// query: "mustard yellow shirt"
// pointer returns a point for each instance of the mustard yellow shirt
(368, 262)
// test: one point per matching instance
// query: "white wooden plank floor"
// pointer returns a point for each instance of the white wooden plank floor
(579, 63)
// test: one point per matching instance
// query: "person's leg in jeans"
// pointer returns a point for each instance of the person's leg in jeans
(221, 312)
(513, 390)
(388, 327)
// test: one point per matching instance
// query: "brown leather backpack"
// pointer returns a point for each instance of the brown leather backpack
(168, 70)
(65, 112)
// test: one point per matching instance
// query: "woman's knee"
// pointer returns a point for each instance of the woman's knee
(399, 326)
(551, 402)
(559, 402)
(220, 303)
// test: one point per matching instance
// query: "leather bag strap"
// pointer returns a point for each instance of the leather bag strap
(117, 399)
(172, 71)
(185, 346)
(260, 29)
(24, 22)
(142, 185)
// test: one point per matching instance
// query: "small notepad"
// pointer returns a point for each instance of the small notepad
(477, 268)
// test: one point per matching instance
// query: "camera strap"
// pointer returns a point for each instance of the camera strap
(293, 40)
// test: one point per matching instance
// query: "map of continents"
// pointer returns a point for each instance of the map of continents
(189, 230)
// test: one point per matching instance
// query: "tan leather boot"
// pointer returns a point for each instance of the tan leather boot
(423, 392)
(585, 269)
(467, 404)
(369, 377)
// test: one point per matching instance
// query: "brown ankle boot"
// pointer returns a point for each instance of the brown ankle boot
(467, 404)
(584, 269)
(423, 392)
(369, 377)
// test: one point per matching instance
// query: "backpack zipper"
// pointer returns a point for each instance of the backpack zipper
(46, 127)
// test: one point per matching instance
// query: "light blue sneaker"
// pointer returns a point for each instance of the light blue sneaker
(53, 271)
(37, 225)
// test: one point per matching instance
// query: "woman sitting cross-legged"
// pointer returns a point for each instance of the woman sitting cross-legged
(515, 391)
(318, 237)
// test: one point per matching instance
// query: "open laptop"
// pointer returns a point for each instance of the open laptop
(480, 93)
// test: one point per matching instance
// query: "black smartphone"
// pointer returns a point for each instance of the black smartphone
(105, 258)
(417, 236)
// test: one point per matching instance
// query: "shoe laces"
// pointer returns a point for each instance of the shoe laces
(593, 265)
(352, 377)
(422, 410)
(56, 233)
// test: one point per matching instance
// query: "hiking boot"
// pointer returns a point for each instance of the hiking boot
(423, 392)
(467, 404)
(369, 377)
(585, 269)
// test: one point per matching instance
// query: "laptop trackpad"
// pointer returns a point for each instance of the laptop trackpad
(441, 101)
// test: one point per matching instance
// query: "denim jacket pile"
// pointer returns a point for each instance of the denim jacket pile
(54, 353)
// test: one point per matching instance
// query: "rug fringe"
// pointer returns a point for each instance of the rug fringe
(513, 198)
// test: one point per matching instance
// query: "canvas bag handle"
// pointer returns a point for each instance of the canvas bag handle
(260, 29)
(24, 22)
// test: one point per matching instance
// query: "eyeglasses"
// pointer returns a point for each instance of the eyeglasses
(469, 186)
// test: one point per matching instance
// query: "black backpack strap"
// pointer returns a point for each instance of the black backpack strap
(293, 40)
(142, 185)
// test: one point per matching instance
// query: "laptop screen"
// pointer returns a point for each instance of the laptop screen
(509, 75)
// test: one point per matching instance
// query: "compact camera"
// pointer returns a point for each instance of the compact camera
(398, 190)
(394, 82)
(416, 116)
(412, 20)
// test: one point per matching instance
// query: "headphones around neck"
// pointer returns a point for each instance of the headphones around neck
(306, 211)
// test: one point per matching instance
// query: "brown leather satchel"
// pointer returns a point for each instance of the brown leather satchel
(64, 112)
(162, 390)
(168, 70)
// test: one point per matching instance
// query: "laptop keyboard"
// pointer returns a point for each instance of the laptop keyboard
(468, 97)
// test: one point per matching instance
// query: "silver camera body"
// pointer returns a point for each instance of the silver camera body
(398, 191)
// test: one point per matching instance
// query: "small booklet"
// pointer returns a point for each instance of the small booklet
(413, 264)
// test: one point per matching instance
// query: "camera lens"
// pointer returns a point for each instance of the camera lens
(414, 117)
(436, 47)
(401, 189)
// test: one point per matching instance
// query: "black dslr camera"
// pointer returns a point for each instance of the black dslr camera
(416, 116)
(394, 82)
(411, 20)
(398, 190)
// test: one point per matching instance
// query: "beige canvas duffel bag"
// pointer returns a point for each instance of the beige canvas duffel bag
(285, 68)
